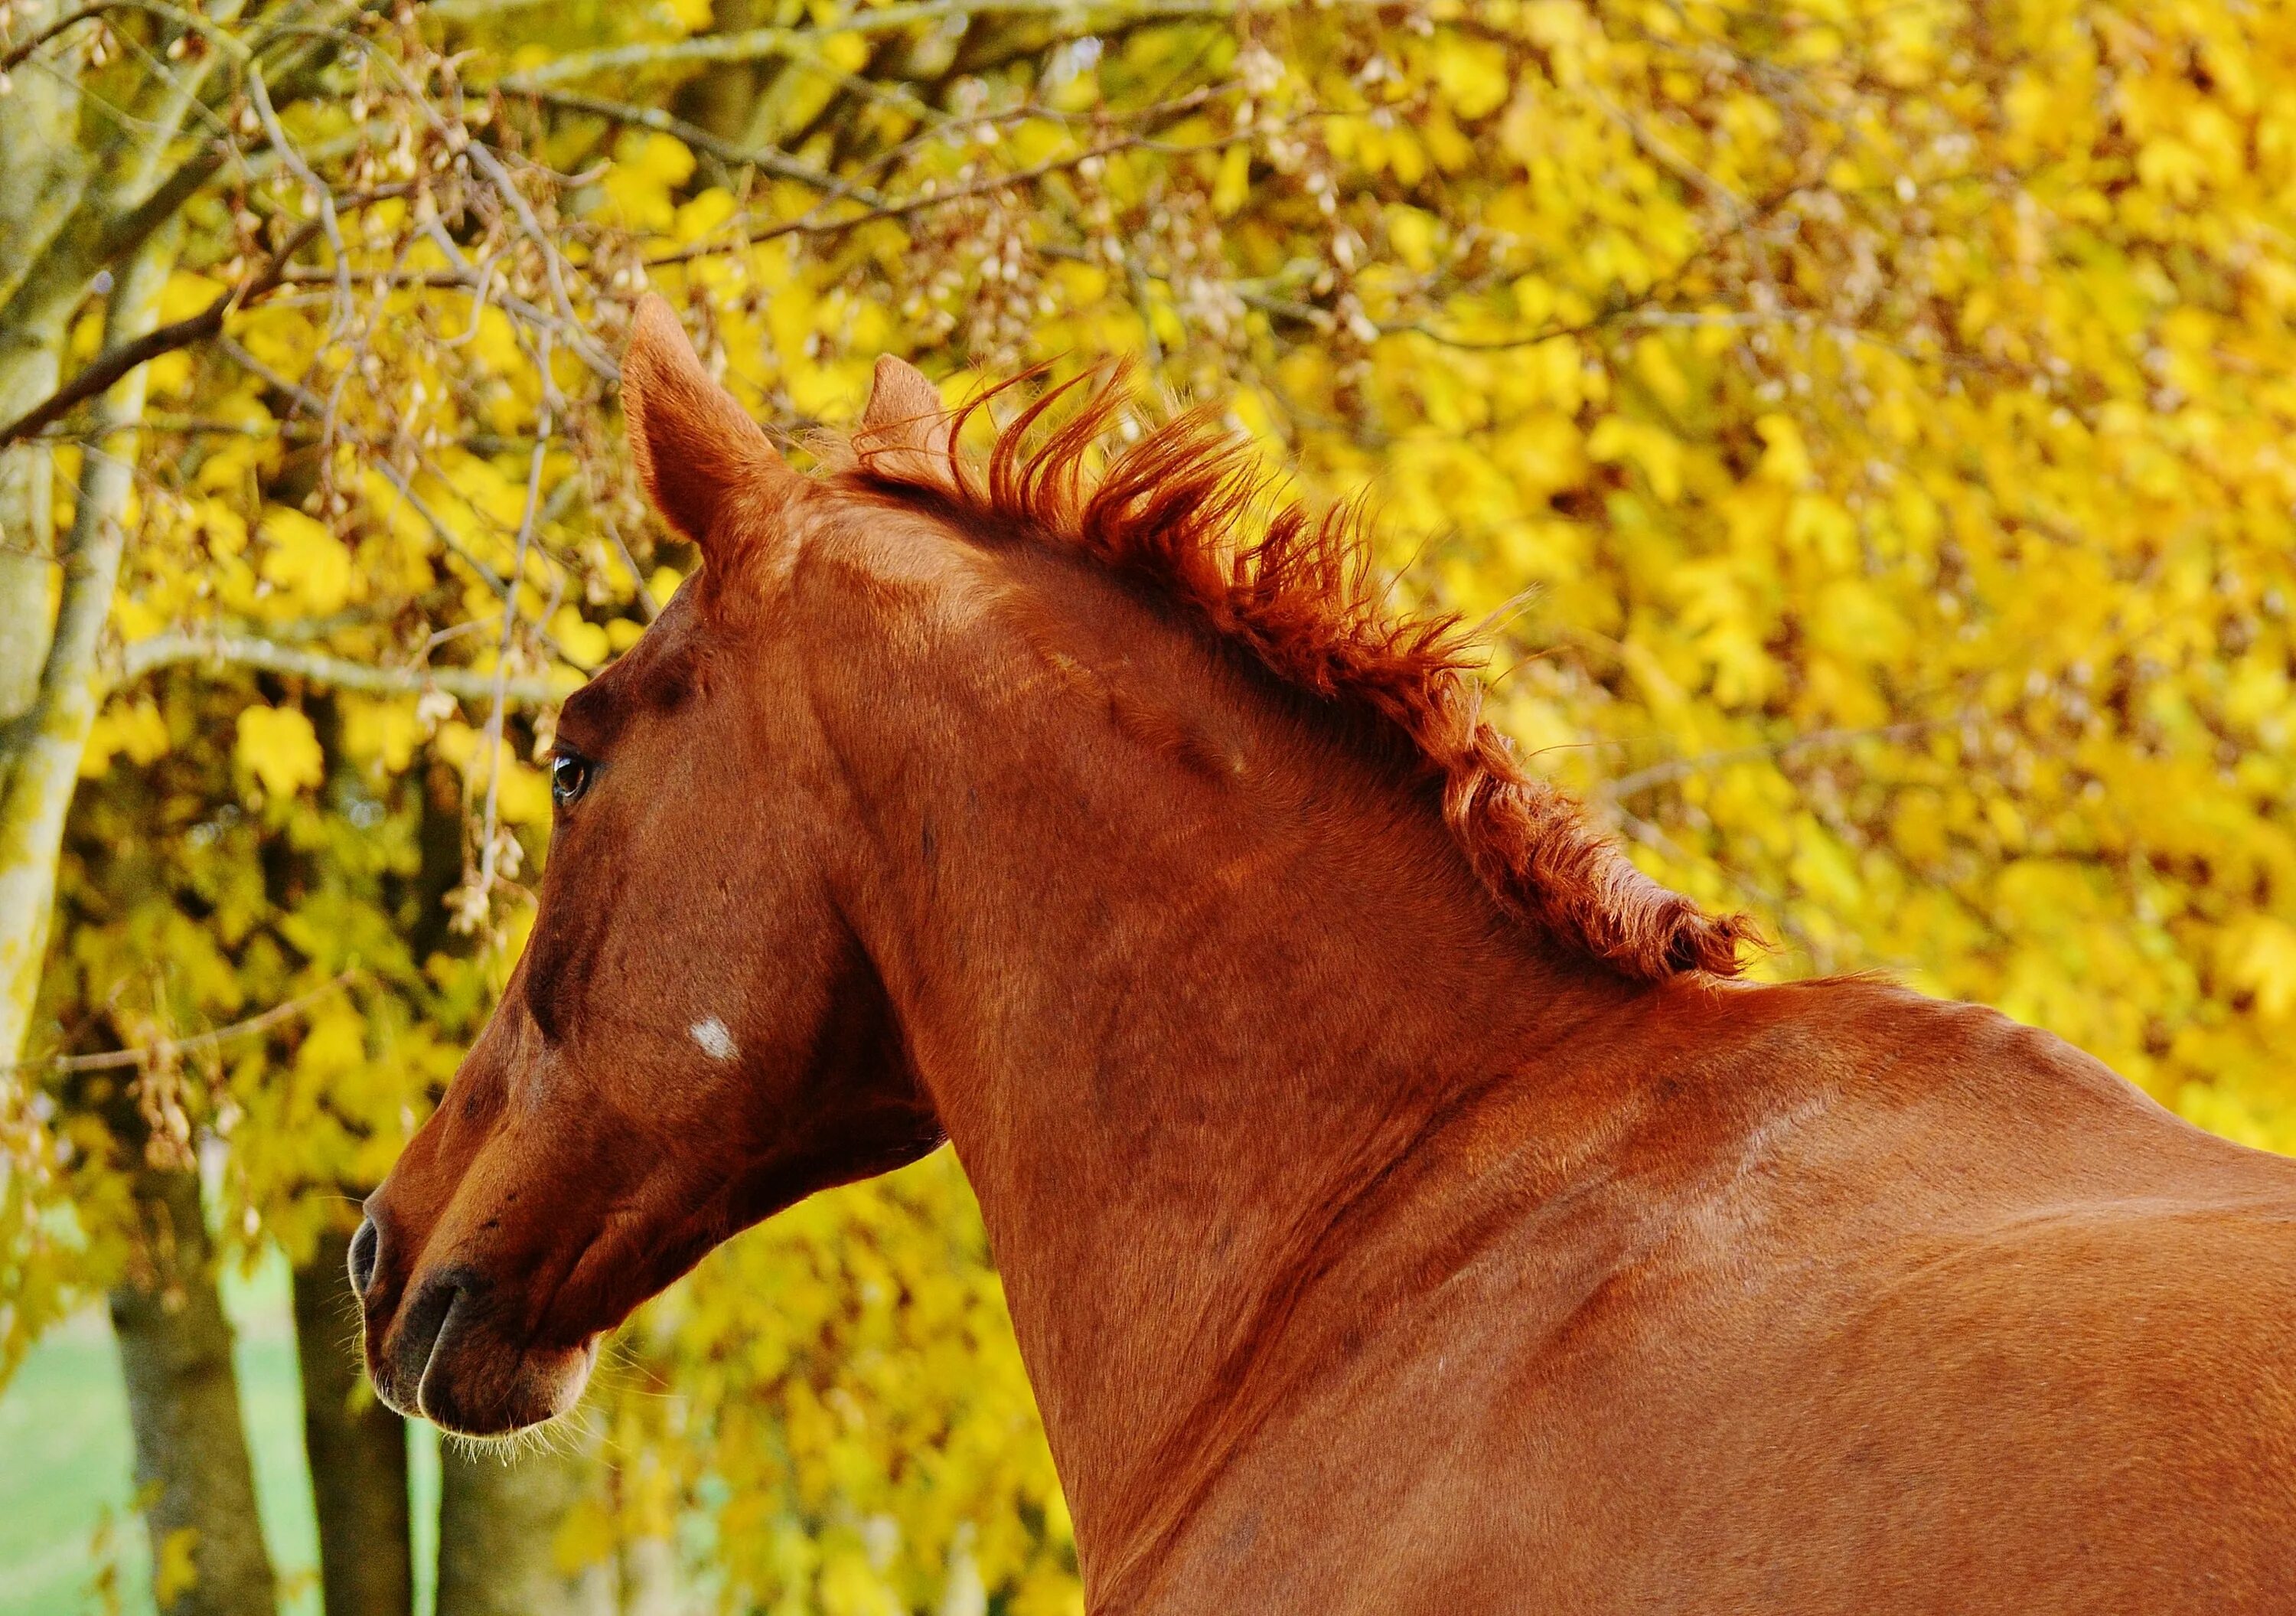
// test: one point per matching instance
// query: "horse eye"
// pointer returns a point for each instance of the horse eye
(570, 777)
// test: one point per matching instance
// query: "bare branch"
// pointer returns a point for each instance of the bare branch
(343, 673)
(772, 159)
(167, 1050)
(810, 223)
(204, 326)
(754, 44)
(261, 94)
(1681, 768)
(389, 473)
(490, 842)
(189, 21)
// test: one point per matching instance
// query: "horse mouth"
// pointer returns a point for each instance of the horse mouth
(450, 1365)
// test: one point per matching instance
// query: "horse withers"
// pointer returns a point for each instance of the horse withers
(1400, 1207)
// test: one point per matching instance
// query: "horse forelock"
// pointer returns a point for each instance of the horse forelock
(1188, 511)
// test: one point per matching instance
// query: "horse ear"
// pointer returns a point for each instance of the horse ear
(905, 434)
(692, 445)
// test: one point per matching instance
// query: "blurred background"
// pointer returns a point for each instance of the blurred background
(1862, 428)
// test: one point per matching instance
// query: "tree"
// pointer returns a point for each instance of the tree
(1881, 407)
(357, 1447)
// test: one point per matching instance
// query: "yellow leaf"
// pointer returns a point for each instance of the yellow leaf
(306, 560)
(1234, 183)
(1855, 621)
(645, 169)
(584, 644)
(174, 1572)
(278, 746)
(334, 1041)
(136, 728)
(1412, 233)
(697, 218)
(2261, 960)
(1786, 459)
(523, 796)
(388, 730)
(1471, 74)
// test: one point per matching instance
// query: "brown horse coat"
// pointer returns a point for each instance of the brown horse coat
(1399, 1208)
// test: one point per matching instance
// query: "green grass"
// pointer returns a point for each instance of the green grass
(67, 1467)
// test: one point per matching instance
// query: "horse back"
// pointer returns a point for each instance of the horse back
(1880, 1303)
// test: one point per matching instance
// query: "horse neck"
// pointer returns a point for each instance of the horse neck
(1182, 976)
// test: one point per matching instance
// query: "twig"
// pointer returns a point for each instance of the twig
(526, 522)
(1678, 768)
(261, 94)
(772, 159)
(174, 1049)
(145, 656)
(189, 21)
(751, 44)
(809, 223)
(388, 472)
(109, 368)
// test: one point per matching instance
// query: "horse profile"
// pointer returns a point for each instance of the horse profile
(1399, 1206)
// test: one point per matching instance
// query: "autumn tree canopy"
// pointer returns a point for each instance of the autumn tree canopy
(1862, 427)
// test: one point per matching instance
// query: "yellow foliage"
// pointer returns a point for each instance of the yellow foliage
(133, 727)
(278, 747)
(310, 565)
(586, 645)
(174, 1571)
(1887, 407)
(646, 168)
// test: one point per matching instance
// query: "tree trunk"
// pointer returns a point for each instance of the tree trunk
(500, 1521)
(42, 175)
(45, 748)
(192, 1464)
(648, 1578)
(357, 1448)
(31, 362)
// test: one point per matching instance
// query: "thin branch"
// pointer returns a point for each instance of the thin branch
(1680, 768)
(459, 140)
(204, 326)
(167, 1050)
(261, 94)
(772, 159)
(344, 673)
(749, 44)
(525, 524)
(399, 479)
(758, 43)
(109, 368)
(809, 223)
(1689, 173)
(189, 21)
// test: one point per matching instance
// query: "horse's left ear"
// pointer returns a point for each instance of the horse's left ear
(692, 443)
(906, 433)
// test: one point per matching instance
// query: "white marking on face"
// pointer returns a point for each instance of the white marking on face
(716, 1042)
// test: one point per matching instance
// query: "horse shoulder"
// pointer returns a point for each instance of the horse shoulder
(1878, 1295)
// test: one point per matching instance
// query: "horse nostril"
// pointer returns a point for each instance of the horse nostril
(419, 1326)
(365, 1247)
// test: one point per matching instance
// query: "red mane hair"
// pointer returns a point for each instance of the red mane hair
(1295, 590)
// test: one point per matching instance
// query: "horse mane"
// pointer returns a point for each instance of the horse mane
(1188, 512)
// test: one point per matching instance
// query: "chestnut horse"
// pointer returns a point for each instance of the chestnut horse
(1401, 1209)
